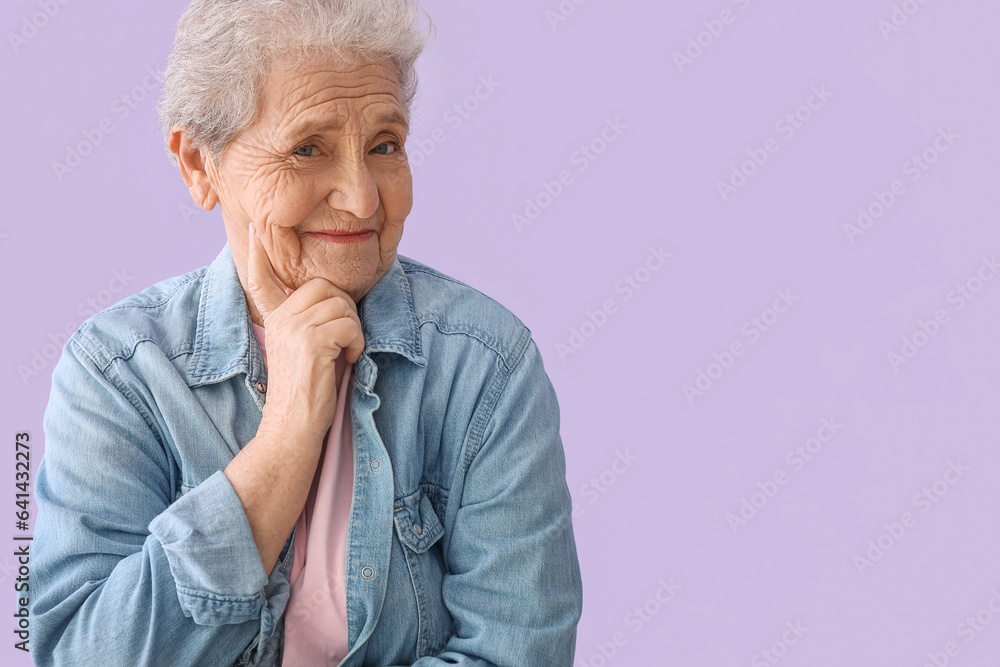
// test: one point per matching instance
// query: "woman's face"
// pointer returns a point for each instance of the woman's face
(325, 155)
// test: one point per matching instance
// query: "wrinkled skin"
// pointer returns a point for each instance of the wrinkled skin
(327, 152)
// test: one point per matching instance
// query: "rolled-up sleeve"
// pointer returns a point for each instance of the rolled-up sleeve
(513, 586)
(208, 543)
(121, 575)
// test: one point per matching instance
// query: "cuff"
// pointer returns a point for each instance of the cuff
(212, 554)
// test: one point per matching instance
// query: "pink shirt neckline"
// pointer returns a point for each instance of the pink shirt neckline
(316, 614)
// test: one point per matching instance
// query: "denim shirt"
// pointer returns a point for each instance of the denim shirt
(460, 547)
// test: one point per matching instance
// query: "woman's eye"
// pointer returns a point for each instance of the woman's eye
(298, 151)
(384, 149)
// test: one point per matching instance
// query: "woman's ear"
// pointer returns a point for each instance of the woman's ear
(195, 165)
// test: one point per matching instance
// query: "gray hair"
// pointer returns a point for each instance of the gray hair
(224, 50)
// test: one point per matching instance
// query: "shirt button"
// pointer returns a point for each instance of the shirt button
(367, 572)
(376, 464)
(417, 529)
(261, 387)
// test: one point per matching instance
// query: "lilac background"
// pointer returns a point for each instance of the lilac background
(654, 474)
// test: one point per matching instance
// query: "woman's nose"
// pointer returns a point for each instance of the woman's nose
(354, 190)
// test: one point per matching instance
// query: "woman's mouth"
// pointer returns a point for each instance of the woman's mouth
(341, 235)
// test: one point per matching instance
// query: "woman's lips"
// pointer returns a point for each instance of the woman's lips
(338, 236)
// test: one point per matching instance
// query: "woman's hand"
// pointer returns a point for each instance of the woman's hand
(306, 329)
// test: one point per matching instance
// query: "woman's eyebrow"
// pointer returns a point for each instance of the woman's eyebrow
(394, 117)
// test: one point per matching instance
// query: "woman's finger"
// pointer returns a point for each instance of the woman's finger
(330, 309)
(346, 334)
(265, 289)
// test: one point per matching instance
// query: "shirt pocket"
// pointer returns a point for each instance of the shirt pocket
(419, 530)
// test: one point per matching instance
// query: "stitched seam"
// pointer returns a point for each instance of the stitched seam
(213, 597)
(179, 285)
(115, 381)
(488, 403)
(128, 353)
(486, 343)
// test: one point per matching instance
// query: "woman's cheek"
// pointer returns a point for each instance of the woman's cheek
(278, 195)
(397, 195)
(388, 240)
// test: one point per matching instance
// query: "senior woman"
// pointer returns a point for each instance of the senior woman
(312, 451)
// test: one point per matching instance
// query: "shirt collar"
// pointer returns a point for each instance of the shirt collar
(225, 344)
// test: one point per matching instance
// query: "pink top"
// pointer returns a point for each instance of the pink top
(316, 614)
